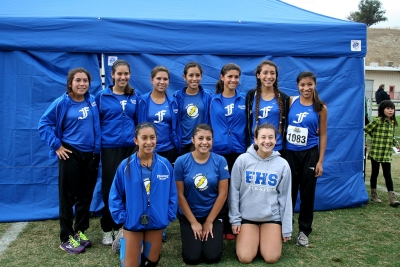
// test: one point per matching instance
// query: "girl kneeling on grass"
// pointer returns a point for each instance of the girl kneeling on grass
(202, 182)
(260, 203)
(143, 197)
(381, 130)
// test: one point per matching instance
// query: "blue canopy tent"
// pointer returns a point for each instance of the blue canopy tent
(41, 40)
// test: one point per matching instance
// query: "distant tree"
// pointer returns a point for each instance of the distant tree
(369, 12)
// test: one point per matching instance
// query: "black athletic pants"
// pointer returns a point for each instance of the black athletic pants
(76, 183)
(110, 160)
(194, 251)
(170, 155)
(302, 164)
(386, 166)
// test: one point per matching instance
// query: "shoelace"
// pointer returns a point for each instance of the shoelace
(73, 242)
(82, 236)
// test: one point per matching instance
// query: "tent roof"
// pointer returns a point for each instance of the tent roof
(221, 27)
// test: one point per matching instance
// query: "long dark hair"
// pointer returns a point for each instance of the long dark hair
(381, 111)
(219, 86)
(128, 90)
(276, 90)
(318, 103)
(71, 75)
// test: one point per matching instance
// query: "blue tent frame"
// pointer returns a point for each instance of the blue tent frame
(39, 46)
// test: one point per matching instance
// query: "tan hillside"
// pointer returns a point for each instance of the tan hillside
(383, 45)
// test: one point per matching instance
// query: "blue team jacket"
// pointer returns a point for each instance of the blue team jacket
(128, 198)
(229, 139)
(143, 111)
(117, 125)
(50, 124)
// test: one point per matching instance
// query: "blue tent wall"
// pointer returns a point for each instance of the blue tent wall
(29, 83)
(39, 46)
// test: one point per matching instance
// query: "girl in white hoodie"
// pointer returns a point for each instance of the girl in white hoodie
(260, 203)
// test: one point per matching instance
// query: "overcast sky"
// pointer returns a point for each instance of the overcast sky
(341, 9)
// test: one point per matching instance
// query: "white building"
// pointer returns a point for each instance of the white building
(388, 75)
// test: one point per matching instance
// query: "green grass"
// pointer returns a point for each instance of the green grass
(361, 236)
(397, 129)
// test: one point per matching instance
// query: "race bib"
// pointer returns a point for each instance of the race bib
(297, 135)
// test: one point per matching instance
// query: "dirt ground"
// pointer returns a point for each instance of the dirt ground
(383, 45)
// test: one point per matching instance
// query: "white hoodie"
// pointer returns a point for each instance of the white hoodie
(260, 190)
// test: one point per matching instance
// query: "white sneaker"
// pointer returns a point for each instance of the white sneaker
(302, 240)
(107, 238)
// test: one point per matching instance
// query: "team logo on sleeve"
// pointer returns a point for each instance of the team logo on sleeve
(192, 111)
(200, 181)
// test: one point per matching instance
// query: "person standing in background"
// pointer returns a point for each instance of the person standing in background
(161, 109)
(267, 103)
(229, 121)
(306, 141)
(193, 102)
(381, 130)
(117, 108)
(381, 95)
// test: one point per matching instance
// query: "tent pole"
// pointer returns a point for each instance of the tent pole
(102, 72)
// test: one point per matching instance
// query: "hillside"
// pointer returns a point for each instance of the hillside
(383, 45)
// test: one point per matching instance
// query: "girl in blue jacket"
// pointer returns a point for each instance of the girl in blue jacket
(161, 109)
(228, 119)
(143, 198)
(117, 107)
(193, 102)
(71, 127)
